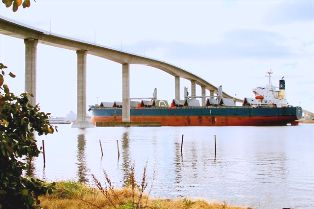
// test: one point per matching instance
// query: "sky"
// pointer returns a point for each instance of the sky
(232, 43)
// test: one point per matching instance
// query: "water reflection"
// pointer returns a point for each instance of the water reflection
(258, 167)
(194, 161)
(178, 163)
(81, 161)
(125, 157)
(271, 167)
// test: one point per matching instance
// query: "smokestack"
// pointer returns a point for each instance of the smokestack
(282, 84)
(282, 87)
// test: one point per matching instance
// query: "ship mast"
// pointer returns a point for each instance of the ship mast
(269, 77)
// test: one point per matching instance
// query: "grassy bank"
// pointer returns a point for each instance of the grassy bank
(72, 195)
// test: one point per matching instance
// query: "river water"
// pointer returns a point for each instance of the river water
(258, 167)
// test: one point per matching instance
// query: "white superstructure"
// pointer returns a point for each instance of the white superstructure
(269, 95)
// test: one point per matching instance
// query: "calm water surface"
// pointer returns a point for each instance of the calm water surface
(260, 167)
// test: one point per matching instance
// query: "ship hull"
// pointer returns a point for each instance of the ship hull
(237, 116)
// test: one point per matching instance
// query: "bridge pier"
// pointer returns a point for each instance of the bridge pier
(81, 121)
(30, 68)
(177, 87)
(193, 88)
(203, 95)
(125, 92)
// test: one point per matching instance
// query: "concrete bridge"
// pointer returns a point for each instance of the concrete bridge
(34, 36)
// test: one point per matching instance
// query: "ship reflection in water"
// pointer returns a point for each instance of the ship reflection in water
(260, 167)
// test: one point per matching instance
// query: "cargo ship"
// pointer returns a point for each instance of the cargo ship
(269, 107)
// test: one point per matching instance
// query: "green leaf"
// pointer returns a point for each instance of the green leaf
(2, 66)
(2, 192)
(26, 3)
(7, 3)
(24, 192)
(12, 75)
(1, 80)
(15, 6)
(6, 89)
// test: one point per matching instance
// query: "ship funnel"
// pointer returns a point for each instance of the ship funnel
(282, 84)
(282, 87)
(155, 94)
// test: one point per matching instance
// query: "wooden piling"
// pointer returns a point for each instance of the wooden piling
(102, 153)
(182, 143)
(44, 153)
(118, 149)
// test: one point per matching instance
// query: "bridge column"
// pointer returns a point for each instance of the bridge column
(203, 95)
(126, 93)
(81, 121)
(193, 88)
(177, 87)
(30, 68)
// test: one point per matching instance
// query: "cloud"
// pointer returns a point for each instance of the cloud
(237, 44)
(292, 11)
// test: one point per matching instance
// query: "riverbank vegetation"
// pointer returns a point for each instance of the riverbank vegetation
(72, 195)
(19, 121)
(133, 195)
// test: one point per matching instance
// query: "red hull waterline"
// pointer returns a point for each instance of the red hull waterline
(199, 120)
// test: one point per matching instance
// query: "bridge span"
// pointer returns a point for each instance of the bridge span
(33, 36)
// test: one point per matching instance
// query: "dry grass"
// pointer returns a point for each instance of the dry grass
(71, 195)
(133, 196)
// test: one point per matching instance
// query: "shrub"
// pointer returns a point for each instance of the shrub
(19, 120)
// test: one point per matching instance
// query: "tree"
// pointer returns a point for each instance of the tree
(19, 121)
(16, 4)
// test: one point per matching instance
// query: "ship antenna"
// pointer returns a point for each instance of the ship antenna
(269, 76)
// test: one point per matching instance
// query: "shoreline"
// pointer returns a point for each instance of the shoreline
(69, 194)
